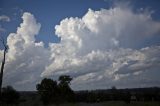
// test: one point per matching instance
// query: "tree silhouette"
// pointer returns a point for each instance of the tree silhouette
(9, 95)
(48, 90)
(51, 92)
(65, 91)
(64, 81)
(3, 61)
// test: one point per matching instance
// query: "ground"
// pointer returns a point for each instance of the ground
(109, 103)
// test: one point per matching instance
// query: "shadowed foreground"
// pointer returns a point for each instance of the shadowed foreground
(108, 103)
(51, 93)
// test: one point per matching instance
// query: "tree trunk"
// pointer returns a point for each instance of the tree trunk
(2, 68)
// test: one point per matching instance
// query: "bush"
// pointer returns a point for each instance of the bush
(9, 95)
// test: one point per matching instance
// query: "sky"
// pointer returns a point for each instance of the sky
(100, 43)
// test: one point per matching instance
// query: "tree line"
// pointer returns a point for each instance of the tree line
(56, 92)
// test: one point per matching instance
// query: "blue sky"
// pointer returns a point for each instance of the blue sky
(100, 43)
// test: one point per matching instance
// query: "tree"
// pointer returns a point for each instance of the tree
(51, 92)
(48, 90)
(113, 88)
(3, 61)
(64, 80)
(9, 95)
(65, 91)
(115, 93)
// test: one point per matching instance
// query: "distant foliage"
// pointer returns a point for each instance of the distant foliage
(53, 92)
(9, 95)
(126, 95)
(60, 92)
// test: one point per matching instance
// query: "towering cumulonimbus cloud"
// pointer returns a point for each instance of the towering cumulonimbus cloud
(104, 47)
(26, 59)
(98, 46)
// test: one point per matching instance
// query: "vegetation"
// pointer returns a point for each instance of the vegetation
(126, 95)
(48, 90)
(9, 96)
(108, 103)
(53, 92)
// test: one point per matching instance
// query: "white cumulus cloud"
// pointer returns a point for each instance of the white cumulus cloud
(100, 47)
(26, 59)
(103, 48)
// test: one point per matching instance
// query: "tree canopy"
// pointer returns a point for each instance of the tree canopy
(51, 91)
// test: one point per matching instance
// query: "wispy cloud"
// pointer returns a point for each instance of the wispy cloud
(5, 18)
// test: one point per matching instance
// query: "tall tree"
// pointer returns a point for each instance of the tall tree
(48, 90)
(3, 61)
(65, 91)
